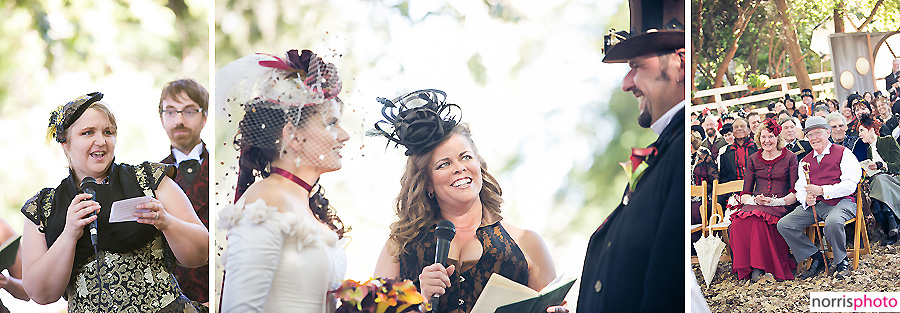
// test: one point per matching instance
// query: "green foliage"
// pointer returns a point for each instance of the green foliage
(760, 48)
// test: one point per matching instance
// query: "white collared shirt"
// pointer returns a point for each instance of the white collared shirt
(193, 155)
(850, 175)
(664, 120)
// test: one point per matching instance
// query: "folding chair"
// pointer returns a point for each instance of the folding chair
(700, 191)
(860, 238)
(721, 224)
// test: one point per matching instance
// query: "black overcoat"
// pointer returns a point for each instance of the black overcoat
(635, 260)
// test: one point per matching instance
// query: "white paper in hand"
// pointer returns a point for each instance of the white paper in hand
(123, 210)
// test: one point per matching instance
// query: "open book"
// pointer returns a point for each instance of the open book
(503, 295)
(8, 251)
(865, 165)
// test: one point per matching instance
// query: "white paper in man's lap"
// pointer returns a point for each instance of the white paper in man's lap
(123, 210)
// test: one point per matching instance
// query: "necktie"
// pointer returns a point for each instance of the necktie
(189, 169)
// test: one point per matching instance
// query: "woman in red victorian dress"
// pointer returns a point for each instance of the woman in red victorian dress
(768, 195)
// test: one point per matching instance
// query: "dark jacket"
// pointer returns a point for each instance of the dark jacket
(633, 261)
(194, 282)
(728, 163)
(889, 151)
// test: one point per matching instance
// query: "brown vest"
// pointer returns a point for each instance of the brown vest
(827, 172)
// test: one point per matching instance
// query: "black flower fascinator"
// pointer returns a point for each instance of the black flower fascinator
(418, 120)
(65, 115)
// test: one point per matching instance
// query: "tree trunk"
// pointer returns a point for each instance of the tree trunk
(752, 57)
(745, 11)
(839, 17)
(697, 41)
(798, 63)
(871, 15)
(771, 59)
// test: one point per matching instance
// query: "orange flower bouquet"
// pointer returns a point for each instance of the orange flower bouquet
(378, 295)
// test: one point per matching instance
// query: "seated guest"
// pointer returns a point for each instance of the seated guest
(803, 115)
(833, 175)
(727, 118)
(754, 122)
(779, 106)
(849, 118)
(832, 105)
(728, 135)
(881, 111)
(790, 106)
(796, 145)
(734, 160)
(839, 131)
(884, 188)
(820, 110)
(806, 97)
(768, 195)
(888, 120)
(703, 169)
(713, 142)
(858, 106)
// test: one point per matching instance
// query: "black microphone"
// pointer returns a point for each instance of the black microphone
(443, 233)
(89, 186)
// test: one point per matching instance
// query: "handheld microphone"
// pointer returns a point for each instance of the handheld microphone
(444, 232)
(89, 186)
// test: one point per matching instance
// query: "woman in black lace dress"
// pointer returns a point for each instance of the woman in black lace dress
(446, 179)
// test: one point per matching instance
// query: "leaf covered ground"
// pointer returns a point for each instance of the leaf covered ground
(878, 272)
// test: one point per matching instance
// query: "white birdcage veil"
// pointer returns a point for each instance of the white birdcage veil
(260, 94)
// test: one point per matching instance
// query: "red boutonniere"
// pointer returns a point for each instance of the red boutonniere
(635, 167)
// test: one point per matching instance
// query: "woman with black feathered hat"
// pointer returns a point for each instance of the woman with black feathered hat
(127, 266)
(446, 179)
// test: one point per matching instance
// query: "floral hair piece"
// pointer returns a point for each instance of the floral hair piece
(65, 115)
(418, 120)
(772, 126)
(311, 70)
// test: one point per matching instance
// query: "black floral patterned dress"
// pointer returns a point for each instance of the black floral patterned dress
(501, 255)
(132, 271)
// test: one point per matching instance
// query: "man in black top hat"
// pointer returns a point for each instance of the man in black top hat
(634, 260)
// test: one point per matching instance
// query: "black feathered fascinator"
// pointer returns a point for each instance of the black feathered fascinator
(418, 120)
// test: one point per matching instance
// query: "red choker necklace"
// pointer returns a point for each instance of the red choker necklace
(292, 177)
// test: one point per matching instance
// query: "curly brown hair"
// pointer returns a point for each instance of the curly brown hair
(416, 210)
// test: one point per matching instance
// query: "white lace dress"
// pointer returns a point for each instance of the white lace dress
(278, 262)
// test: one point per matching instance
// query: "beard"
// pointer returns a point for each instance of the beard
(644, 119)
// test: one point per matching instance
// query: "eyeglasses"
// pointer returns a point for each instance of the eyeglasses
(187, 113)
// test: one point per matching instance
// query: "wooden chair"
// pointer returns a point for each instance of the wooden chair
(700, 191)
(718, 211)
(860, 237)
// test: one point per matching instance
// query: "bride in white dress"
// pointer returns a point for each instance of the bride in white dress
(284, 248)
